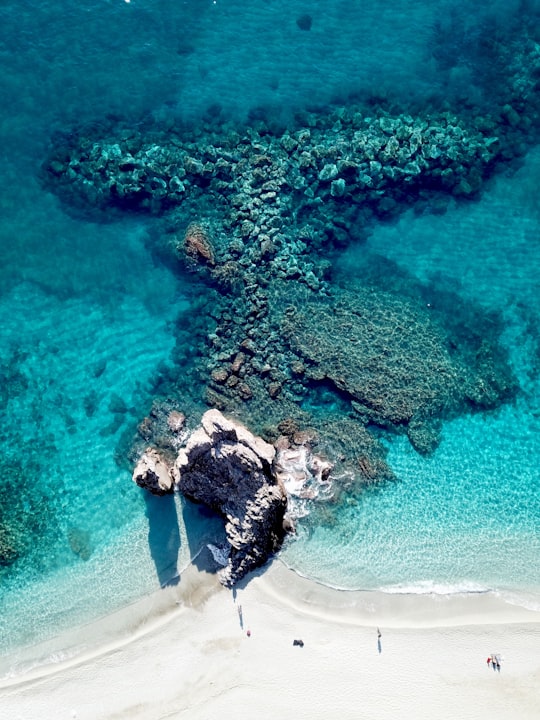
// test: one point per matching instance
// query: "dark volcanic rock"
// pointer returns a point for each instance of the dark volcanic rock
(228, 469)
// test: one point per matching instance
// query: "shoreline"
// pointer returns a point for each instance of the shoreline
(406, 610)
(183, 653)
(110, 632)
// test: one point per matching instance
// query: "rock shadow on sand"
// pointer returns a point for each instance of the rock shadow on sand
(163, 537)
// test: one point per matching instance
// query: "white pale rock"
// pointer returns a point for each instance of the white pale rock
(152, 473)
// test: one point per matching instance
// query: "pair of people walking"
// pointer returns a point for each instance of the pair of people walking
(494, 661)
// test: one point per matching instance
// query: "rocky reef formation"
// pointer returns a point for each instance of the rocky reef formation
(258, 211)
(394, 361)
(372, 353)
(376, 159)
(235, 199)
(231, 471)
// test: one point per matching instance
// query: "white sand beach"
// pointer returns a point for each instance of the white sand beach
(184, 654)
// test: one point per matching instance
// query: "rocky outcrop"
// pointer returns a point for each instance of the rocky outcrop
(224, 466)
(152, 473)
(230, 470)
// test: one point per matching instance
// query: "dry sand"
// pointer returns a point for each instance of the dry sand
(184, 654)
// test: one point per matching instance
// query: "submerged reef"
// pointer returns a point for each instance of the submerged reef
(30, 495)
(256, 213)
(400, 367)
(24, 511)
(352, 158)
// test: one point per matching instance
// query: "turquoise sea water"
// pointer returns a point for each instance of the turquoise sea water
(89, 314)
(467, 518)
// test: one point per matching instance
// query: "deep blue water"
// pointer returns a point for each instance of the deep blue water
(88, 312)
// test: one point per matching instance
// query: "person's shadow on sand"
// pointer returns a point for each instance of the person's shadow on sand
(240, 617)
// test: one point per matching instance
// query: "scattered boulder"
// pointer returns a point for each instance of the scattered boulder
(153, 473)
(304, 22)
(197, 244)
(176, 421)
(164, 429)
(302, 473)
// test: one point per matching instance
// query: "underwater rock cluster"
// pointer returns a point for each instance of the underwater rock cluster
(256, 202)
(274, 197)
(347, 154)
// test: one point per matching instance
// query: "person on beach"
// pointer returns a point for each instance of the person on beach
(488, 661)
(379, 634)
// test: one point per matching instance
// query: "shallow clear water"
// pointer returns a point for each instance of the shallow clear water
(467, 518)
(87, 312)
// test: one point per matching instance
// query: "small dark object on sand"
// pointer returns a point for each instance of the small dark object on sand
(305, 22)
(300, 643)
